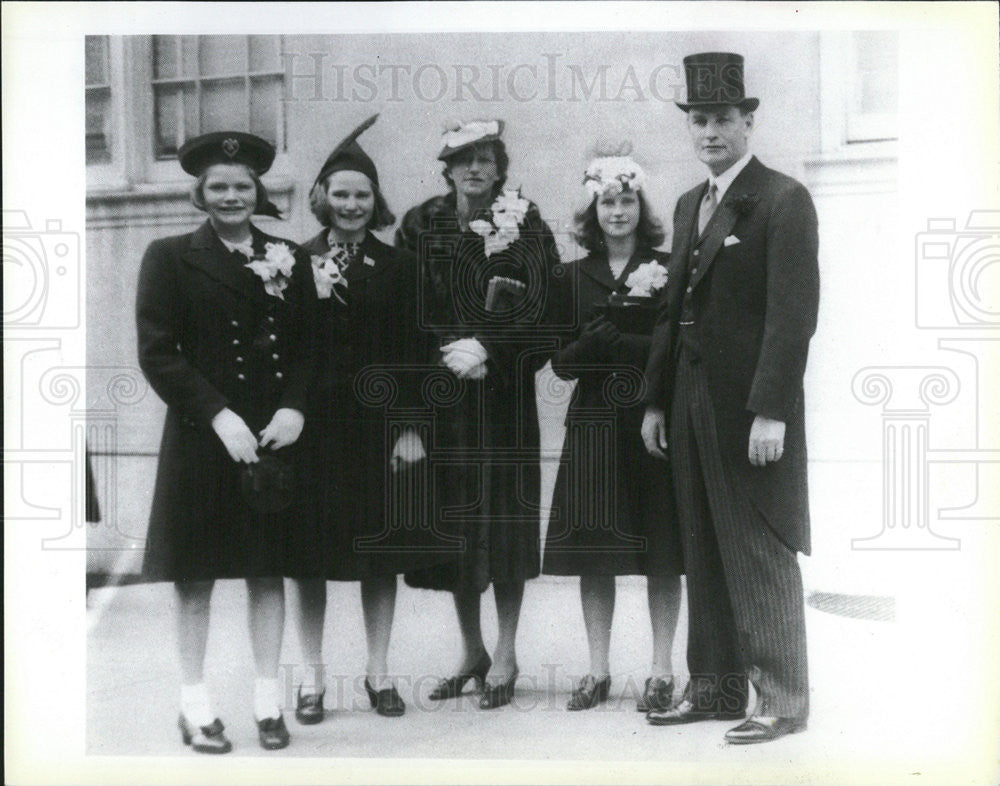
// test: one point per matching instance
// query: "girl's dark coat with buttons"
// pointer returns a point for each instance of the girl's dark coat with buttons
(210, 337)
(372, 356)
(612, 510)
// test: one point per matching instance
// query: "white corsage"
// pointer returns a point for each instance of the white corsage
(646, 279)
(612, 175)
(275, 268)
(327, 274)
(504, 228)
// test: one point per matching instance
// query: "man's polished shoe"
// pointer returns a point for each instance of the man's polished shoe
(763, 728)
(272, 733)
(204, 739)
(686, 712)
(309, 707)
(657, 695)
(589, 693)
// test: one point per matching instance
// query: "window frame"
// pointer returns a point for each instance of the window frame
(133, 165)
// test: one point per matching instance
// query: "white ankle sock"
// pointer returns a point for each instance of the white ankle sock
(195, 705)
(265, 698)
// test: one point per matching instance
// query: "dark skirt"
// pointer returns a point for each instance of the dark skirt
(485, 478)
(201, 527)
(367, 520)
(612, 508)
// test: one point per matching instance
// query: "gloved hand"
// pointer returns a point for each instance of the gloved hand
(284, 428)
(236, 436)
(597, 338)
(408, 450)
(464, 355)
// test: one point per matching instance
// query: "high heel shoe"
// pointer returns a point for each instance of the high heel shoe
(497, 695)
(589, 693)
(658, 695)
(451, 687)
(385, 702)
(204, 739)
(309, 707)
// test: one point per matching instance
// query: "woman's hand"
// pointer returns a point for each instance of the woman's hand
(236, 436)
(597, 336)
(408, 450)
(284, 428)
(654, 432)
(466, 358)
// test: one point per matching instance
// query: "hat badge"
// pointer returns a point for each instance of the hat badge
(230, 147)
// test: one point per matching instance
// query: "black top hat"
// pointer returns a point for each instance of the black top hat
(715, 78)
(348, 155)
(226, 147)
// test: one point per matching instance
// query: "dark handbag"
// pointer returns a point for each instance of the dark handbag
(630, 313)
(269, 485)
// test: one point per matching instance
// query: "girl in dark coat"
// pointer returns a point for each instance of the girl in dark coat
(612, 513)
(225, 326)
(486, 259)
(364, 450)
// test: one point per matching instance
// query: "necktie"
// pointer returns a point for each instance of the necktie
(708, 206)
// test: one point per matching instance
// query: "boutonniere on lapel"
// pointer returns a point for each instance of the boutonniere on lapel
(274, 267)
(744, 204)
(646, 279)
(328, 276)
(504, 227)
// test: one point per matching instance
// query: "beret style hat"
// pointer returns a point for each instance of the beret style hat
(226, 147)
(349, 155)
(716, 78)
(229, 147)
(461, 136)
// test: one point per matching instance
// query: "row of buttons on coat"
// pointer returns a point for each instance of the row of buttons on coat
(239, 358)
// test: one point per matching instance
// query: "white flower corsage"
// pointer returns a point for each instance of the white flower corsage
(327, 274)
(646, 279)
(504, 228)
(612, 175)
(274, 268)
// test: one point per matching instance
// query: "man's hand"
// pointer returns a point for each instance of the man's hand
(767, 440)
(654, 432)
(284, 428)
(237, 438)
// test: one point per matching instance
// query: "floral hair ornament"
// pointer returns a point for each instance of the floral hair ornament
(612, 175)
(458, 135)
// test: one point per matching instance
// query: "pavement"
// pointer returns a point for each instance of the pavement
(861, 719)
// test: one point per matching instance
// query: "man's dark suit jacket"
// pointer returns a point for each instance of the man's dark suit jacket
(754, 305)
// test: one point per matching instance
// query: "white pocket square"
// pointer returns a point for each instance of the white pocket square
(732, 240)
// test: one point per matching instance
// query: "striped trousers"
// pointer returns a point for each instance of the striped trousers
(744, 587)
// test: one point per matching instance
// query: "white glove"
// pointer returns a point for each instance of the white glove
(237, 438)
(284, 428)
(408, 450)
(463, 355)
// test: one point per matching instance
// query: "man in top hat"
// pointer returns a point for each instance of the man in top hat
(725, 372)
